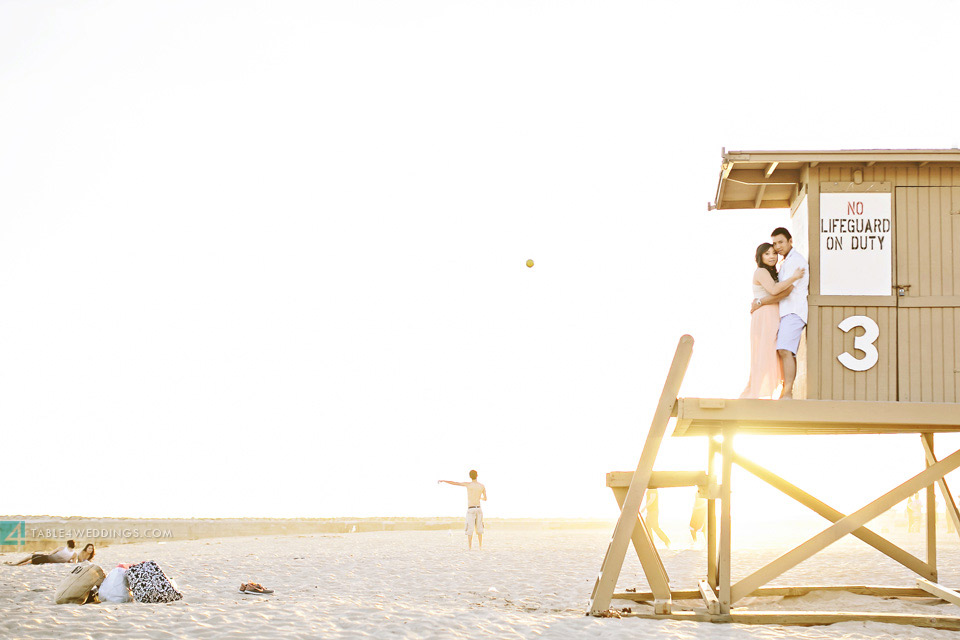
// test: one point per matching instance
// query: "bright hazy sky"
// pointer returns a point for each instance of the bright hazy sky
(267, 259)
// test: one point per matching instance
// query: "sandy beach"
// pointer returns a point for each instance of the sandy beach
(424, 584)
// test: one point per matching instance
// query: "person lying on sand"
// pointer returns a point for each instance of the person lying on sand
(87, 554)
(475, 493)
(66, 554)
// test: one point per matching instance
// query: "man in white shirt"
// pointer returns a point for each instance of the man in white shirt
(65, 554)
(793, 308)
(475, 493)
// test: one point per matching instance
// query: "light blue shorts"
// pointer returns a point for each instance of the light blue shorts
(788, 337)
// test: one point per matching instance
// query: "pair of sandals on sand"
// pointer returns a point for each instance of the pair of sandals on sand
(254, 588)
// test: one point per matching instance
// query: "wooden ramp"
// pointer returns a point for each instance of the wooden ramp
(711, 417)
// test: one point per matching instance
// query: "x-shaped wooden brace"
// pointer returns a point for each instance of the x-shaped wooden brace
(876, 541)
(848, 524)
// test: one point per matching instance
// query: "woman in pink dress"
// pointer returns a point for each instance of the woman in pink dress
(766, 373)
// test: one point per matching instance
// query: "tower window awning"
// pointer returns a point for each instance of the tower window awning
(774, 179)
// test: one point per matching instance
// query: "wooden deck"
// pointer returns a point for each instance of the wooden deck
(709, 416)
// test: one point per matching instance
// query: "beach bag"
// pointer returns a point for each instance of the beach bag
(80, 585)
(148, 583)
(114, 587)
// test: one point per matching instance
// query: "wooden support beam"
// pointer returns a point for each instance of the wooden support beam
(650, 560)
(647, 596)
(759, 197)
(941, 592)
(623, 532)
(770, 169)
(759, 176)
(782, 203)
(660, 479)
(712, 450)
(763, 592)
(709, 597)
(842, 527)
(931, 524)
(723, 564)
(875, 540)
(810, 619)
(951, 505)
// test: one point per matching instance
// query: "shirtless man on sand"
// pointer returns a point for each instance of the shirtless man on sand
(475, 493)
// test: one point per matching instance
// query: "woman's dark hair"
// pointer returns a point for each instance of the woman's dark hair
(762, 249)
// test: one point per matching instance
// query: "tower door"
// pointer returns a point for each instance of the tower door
(928, 293)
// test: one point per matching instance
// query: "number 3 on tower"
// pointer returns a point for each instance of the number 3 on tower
(861, 343)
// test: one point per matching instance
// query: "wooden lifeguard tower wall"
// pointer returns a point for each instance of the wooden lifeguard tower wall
(881, 355)
(915, 303)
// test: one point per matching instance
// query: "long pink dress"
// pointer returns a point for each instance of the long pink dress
(766, 372)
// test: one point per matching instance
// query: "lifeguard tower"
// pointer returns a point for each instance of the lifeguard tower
(881, 230)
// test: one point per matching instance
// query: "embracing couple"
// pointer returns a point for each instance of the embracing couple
(778, 316)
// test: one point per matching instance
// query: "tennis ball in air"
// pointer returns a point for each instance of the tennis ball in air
(529, 263)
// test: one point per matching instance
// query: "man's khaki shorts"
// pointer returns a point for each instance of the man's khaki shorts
(474, 521)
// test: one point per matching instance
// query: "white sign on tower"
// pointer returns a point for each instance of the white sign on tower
(856, 244)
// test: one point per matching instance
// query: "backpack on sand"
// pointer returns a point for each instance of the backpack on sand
(80, 585)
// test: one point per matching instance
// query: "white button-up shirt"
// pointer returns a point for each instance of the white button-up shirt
(66, 554)
(796, 302)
